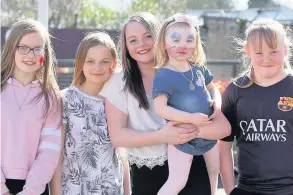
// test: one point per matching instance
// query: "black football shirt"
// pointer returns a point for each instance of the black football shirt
(262, 123)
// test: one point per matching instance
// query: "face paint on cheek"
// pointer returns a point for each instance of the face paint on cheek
(171, 49)
(41, 61)
(192, 49)
(168, 47)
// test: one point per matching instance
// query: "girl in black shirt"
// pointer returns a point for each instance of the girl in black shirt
(259, 107)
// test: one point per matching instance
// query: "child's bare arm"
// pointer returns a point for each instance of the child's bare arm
(216, 97)
(126, 171)
(172, 114)
(227, 166)
(55, 183)
(215, 93)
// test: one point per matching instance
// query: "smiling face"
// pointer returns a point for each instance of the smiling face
(98, 64)
(180, 42)
(139, 43)
(267, 58)
(29, 62)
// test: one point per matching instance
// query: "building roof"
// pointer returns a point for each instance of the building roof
(282, 14)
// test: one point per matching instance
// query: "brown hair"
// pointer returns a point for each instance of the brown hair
(161, 56)
(91, 40)
(271, 31)
(132, 74)
(46, 74)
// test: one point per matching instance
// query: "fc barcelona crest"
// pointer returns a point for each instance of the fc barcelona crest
(285, 104)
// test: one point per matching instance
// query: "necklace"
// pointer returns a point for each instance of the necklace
(22, 104)
(191, 85)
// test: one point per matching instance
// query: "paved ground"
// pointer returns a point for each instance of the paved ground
(221, 192)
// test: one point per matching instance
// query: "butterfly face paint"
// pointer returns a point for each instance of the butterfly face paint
(175, 35)
(180, 42)
(191, 37)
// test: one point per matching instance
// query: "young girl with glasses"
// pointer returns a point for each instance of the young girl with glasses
(31, 114)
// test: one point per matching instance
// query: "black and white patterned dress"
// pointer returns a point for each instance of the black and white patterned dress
(90, 163)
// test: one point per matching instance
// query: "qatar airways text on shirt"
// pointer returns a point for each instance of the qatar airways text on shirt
(264, 130)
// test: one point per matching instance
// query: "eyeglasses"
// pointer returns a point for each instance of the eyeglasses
(24, 50)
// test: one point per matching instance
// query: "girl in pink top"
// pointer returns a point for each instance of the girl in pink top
(31, 117)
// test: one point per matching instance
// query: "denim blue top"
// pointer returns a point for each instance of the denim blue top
(176, 87)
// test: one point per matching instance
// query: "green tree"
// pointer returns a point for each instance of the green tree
(13, 10)
(170, 7)
(144, 5)
(161, 8)
(209, 4)
(61, 12)
(93, 15)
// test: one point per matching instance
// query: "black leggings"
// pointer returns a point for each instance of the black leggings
(239, 191)
(15, 186)
(147, 181)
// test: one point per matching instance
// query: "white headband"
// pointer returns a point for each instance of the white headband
(191, 20)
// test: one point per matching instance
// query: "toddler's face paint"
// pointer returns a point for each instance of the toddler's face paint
(171, 49)
(180, 43)
(190, 36)
(175, 35)
(168, 46)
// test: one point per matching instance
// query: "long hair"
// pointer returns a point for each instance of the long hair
(46, 74)
(132, 75)
(91, 40)
(269, 31)
(161, 56)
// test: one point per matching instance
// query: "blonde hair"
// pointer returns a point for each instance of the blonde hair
(161, 56)
(270, 31)
(132, 74)
(46, 74)
(91, 40)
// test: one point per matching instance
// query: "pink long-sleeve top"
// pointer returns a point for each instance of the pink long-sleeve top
(30, 141)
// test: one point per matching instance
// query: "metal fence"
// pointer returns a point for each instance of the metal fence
(221, 69)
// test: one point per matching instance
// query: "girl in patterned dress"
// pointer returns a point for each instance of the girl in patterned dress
(89, 164)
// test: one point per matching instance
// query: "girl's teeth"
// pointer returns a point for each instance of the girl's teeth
(143, 52)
